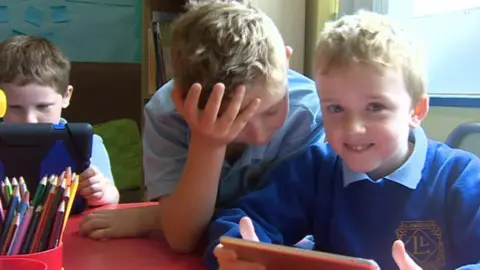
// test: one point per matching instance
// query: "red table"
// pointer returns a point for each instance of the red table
(82, 253)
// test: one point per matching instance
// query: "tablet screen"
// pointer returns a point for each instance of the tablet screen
(282, 257)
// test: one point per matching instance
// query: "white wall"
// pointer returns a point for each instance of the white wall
(289, 16)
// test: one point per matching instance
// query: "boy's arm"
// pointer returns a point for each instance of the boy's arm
(281, 212)
(185, 197)
(101, 161)
(165, 147)
(464, 215)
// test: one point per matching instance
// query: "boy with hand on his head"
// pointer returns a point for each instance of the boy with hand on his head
(34, 75)
(379, 189)
(233, 110)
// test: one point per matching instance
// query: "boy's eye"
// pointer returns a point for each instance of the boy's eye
(375, 107)
(334, 108)
(43, 106)
(271, 112)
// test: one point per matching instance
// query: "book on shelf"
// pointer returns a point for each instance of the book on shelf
(159, 43)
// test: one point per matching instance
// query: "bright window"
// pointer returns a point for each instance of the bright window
(429, 7)
(449, 32)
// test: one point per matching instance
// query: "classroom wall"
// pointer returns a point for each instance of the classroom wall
(317, 13)
(85, 30)
(289, 17)
(442, 120)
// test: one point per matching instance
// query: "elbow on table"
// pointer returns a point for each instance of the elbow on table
(180, 239)
(181, 244)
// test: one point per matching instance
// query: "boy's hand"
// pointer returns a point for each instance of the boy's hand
(228, 259)
(401, 257)
(92, 185)
(206, 123)
(117, 223)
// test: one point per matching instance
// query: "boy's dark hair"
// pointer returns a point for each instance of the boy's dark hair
(26, 59)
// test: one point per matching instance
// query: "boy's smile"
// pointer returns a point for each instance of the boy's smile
(368, 116)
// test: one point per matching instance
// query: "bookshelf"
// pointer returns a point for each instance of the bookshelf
(279, 10)
(148, 60)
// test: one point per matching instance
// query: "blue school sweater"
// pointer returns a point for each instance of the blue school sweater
(432, 203)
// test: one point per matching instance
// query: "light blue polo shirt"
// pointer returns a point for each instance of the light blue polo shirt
(408, 175)
(166, 140)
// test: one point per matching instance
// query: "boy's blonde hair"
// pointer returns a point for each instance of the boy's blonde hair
(372, 39)
(25, 60)
(228, 42)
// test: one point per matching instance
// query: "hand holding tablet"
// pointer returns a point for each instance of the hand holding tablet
(249, 253)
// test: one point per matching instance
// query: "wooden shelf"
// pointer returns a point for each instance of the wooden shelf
(149, 6)
(168, 5)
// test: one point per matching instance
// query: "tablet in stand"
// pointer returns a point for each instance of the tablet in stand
(33, 151)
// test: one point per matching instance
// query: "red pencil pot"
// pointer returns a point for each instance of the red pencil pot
(7, 263)
(52, 259)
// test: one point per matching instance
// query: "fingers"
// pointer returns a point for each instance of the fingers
(228, 259)
(89, 172)
(210, 114)
(401, 257)
(190, 106)
(224, 254)
(101, 234)
(227, 119)
(90, 186)
(240, 265)
(95, 196)
(247, 230)
(207, 122)
(92, 223)
(244, 116)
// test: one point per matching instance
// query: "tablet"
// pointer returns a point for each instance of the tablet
(33, 151)
(286, 258)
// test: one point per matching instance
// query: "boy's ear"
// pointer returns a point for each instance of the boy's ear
(66, 97)
(177, 96)
(420, 111)
(288, 51)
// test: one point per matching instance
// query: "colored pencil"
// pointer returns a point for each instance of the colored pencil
(68, 175)
(41, 224)
(57, 228)
(27, 241)
(21, 232)
(24, 203)
(73, 191)
(2, 217)
(11, 232)
(50, 218)
(8, 190)
(22, 185)
(14, 201)
(35, 222)
(14, 183)
(3, 198)
(39, 192)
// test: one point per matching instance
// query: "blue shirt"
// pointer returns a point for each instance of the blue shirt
(166, 140)
(431, 203)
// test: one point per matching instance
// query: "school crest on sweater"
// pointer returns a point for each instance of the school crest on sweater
(423, 242)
